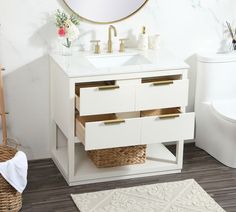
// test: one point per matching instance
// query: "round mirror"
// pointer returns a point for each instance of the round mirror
(105, 11)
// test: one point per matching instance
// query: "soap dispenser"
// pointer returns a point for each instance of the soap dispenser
(143, 40)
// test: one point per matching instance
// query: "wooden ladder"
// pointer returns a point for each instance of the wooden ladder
(2, 109)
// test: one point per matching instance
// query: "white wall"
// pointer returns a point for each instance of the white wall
(27, 33)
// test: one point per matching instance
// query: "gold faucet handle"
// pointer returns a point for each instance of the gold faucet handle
(122, 44)
(97, 46)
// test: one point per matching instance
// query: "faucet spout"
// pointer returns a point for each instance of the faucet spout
(111, 27)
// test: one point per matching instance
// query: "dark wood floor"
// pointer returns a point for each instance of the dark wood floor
(48, 191)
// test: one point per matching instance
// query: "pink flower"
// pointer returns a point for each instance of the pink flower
(61, 32)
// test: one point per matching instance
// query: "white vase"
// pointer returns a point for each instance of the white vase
(62, 49)
(66, 51)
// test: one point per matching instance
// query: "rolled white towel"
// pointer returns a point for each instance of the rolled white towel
(15, 171)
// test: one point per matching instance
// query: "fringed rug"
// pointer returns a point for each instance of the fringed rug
(182, 196)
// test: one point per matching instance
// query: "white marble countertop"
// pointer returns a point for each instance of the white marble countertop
(78, 65)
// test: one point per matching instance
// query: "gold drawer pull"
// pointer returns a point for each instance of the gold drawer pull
(167, 82)
(116, 121)
(169, 116)
(5, 113)
(108, 87)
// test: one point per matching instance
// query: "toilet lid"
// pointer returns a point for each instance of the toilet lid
(226, 108)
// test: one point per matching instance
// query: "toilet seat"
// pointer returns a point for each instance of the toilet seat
(226, 109)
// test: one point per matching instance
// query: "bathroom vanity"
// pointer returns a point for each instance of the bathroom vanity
(146, 92)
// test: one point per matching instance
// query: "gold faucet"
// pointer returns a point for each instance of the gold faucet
(111, 27)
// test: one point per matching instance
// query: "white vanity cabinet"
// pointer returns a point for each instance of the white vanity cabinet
(118, 107)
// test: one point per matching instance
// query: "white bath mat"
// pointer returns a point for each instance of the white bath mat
(182, 196)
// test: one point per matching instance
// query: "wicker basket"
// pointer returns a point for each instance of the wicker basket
(120, 156)
(10, 199)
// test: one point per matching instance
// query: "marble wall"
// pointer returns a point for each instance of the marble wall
(27, 34)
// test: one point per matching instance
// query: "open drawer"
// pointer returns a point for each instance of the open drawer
(166, 125)
(162, 92)
(104, 98)
(106, 131)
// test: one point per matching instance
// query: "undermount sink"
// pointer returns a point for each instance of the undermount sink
(109, 61)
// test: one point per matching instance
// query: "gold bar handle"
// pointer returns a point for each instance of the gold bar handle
(168, 116)
(167, 82)
(116, 121)
(6, 113)
(108, 87)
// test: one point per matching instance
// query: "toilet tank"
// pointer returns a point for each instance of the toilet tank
(216, 77)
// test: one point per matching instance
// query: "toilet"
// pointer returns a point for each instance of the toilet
(215, 106)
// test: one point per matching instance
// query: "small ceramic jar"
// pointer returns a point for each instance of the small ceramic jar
(154, 41)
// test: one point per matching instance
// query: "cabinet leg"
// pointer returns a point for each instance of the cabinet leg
(54, 136)
(179, 153)
(71, 160)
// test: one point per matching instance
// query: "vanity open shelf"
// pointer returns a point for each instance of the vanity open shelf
(96, 111)
(159, 161)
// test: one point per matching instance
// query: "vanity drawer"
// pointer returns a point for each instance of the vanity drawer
(167, 127)
(106, 99)
(108, 133)
(162, 94)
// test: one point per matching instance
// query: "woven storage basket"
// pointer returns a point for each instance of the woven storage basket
(10, 199)
(120, 156)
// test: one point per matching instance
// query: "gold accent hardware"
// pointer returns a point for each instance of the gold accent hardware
(109, 47)
(107, 22)
(179, 110)
(143, 30)
(5, 113)
(168, 116)
(108, 87)
(116, 121)
(97, 46)
(167, 82)
(122, 44)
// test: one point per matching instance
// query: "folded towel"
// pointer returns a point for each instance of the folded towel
(15, 171)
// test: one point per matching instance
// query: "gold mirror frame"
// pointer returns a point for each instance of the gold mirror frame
(111, 22)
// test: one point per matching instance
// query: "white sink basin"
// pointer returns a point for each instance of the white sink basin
(109, 61)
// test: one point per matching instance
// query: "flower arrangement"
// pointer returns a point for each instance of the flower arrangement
(67, 27)
(232, 34)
